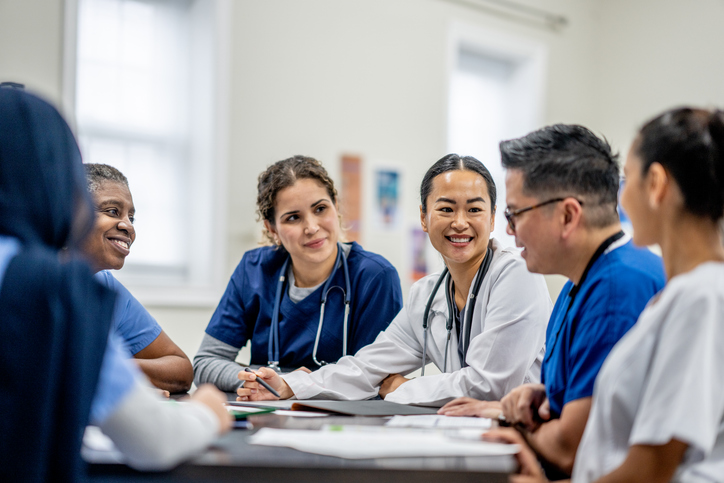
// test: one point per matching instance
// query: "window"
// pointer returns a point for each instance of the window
(494, 94)
(146, 91)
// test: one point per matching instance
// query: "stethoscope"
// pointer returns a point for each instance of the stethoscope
(467, 316)
(273, 351)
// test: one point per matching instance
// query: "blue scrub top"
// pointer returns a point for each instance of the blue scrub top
(245, 310)
(117, 378)
(131, 321)
(117, 375)
(613, 295)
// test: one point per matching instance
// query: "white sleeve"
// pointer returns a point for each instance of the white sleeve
(396, 350)
(500, 358)
(683, 396)
(157, 435)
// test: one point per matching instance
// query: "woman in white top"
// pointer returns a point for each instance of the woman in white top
(485, 320)
(658, 403)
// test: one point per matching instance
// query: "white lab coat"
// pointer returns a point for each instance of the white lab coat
(506, 343)
(663, 381)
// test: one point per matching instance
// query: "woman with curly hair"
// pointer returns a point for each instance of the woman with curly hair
(305, 300)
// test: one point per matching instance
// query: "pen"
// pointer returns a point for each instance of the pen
(243, 425)
(263, 383)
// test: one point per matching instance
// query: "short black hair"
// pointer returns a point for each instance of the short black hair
(453, 162)
(568, 160)
(689, 144)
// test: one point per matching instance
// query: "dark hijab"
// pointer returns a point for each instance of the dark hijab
(54, 318)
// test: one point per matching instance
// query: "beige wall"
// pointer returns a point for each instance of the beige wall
(31, 45)
(652, 55)
(326, 77)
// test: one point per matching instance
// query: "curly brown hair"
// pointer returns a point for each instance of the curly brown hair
(283, 174)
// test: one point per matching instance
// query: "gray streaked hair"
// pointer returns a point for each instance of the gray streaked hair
(96, 174)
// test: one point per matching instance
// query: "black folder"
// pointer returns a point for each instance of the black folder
(372, 407)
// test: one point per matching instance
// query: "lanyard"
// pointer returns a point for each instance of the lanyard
(574, 291)
(273, 345)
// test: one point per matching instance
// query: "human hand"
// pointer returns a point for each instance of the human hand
(253, 391)
(521, 406)
(303, 369)
(467, 406)
(390, 384)
(208, 395)
(530, 469)
(163, 393)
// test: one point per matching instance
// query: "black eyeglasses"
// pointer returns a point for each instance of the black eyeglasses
(510, 215)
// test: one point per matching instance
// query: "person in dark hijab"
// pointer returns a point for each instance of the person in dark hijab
(55, 319)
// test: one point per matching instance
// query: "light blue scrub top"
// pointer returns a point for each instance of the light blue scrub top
(117, 376)
(131, 321)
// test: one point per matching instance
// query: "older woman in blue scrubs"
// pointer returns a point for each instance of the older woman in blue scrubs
(107, 246)
(54, 333)
(308, 299)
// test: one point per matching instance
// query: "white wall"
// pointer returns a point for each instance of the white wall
(31, 34)
(326, 77)
(652, 55)
(323, 78)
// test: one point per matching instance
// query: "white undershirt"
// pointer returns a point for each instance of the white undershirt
(297, 294)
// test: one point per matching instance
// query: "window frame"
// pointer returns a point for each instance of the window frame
(205, 282)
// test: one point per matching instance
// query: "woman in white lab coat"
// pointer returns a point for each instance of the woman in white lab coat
(486, 314)
(658, 402)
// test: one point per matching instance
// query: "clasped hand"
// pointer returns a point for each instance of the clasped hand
(526, 406)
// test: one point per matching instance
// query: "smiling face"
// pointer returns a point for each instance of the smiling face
(306, 223)
(535, 230)
(110, 242)
(459, 217)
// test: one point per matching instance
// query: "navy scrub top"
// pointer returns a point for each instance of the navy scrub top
(245, 310)
(608, 303)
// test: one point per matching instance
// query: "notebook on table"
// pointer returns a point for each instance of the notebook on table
(373, 407)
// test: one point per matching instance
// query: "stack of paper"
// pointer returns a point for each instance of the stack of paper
(361, 442)
(435, 421)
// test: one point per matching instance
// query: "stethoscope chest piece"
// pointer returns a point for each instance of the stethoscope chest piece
(273, 346)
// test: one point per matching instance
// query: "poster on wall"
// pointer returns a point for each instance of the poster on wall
(418, 264)
(351, 197)
(387, 209)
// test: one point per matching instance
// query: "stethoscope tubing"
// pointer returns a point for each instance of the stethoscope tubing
(273, 351)
(467, 317)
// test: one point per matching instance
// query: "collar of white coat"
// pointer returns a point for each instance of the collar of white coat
(439, 304)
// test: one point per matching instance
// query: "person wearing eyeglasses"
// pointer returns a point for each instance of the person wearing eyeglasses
(562, 195)
(481, 321)
(658, 404)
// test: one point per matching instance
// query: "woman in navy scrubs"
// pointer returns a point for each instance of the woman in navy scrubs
(275, 297)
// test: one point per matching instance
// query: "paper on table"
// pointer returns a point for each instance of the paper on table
(95, 439)
(386, 443)
(432, 421)
(300, 414)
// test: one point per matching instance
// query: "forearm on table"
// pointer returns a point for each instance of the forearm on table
(171, 373)
(157, 435)
(552, 445)
(215, 364)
